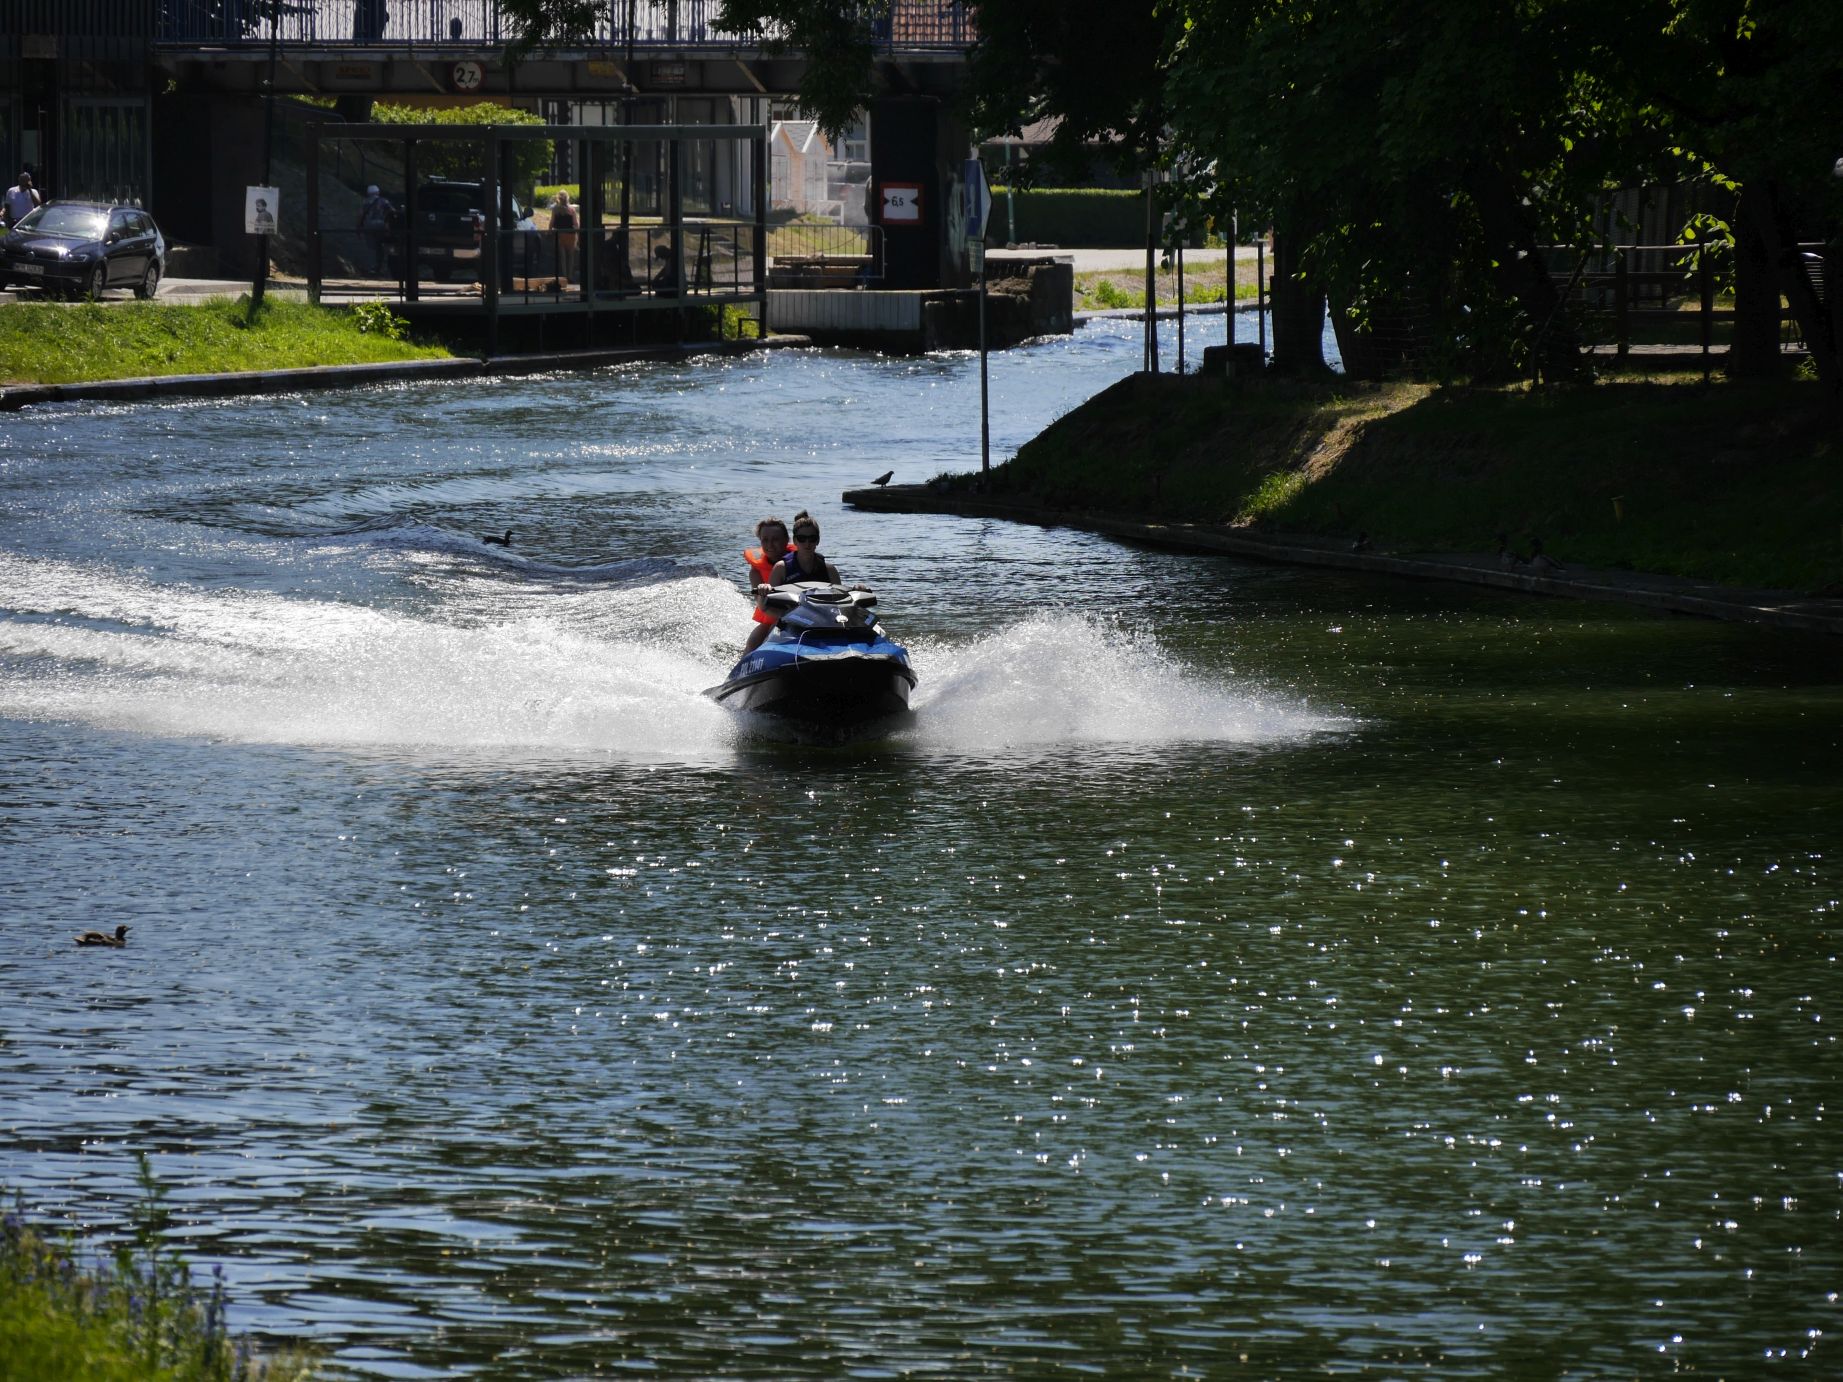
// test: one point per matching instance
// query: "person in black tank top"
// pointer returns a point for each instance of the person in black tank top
(804, 563)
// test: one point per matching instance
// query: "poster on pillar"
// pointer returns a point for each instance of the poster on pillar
(259, 207)
(902, 203)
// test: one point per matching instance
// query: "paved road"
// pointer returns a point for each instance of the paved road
(185, 290)
(196, 290)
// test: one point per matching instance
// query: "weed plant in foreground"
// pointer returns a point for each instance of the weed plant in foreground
(54, 343)
(136, 1316)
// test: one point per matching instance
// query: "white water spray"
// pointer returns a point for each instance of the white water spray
(515, 669)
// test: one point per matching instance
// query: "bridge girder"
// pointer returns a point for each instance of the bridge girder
(584, 75)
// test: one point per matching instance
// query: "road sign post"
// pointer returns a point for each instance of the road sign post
(976, 197)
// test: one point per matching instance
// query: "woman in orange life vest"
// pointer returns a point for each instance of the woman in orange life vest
(771, 533)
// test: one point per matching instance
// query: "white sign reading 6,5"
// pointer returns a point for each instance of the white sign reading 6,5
(902, 203)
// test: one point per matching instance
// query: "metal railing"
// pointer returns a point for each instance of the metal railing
(905, 26)
(534, 266)
(1661, 294)
(811, 254)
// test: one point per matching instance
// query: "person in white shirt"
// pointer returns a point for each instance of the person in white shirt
(19, 200)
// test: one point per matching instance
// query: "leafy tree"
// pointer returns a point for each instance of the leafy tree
(1752, 88)
(530, 159)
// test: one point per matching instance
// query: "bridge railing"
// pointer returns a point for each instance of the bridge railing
(904, 26)
(809, 254)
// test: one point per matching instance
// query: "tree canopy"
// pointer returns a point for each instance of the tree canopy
(1417, 158)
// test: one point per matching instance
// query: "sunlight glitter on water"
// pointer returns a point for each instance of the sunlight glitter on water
(597, 671)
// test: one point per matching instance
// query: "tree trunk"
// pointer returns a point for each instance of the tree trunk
(1298, 307)
(1754, 353)
(1817, 318)
(1523, 276)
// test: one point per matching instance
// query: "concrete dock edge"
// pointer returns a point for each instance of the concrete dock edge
(1778, 609)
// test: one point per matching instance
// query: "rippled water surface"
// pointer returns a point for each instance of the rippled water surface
(1231, 970)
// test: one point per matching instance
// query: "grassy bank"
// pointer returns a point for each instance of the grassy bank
(51, 343)
(135, 1315)
(1097, 289)
(1736, 483)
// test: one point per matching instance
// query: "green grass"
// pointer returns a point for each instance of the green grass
(1731, 482)
(1204, 283)
(135, 1316)
(50, 343)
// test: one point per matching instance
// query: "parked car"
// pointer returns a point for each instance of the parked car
(82, 248)
(450, 218)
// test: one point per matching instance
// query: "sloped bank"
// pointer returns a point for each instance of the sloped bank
(1718, 501)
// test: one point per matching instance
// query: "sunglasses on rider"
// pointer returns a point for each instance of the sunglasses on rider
(806, 535)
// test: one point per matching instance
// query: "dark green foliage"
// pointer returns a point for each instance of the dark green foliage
(461, 159)
(1086, 217)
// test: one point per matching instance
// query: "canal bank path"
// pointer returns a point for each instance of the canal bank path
(1666, 594)
(251, 382)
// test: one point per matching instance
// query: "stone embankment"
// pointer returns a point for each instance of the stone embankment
(1665, 594)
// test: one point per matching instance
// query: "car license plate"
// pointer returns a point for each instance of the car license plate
(28, 268)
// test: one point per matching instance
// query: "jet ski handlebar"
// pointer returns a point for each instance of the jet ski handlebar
(782, 598)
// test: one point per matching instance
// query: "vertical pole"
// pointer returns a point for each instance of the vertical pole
(985, 402)
(1010, 177)
(314, 272)
(589, 233)
(676, 208)
(760, 286)
(1229, 286)
(489, 238)
(1151, 279)
(1705, 284)
(411, 270)
(268, 161)
(1260, 293)
(1180, 307)
(1622, 319)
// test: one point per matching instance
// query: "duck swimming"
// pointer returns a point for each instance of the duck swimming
(505, 541)
(119, 939)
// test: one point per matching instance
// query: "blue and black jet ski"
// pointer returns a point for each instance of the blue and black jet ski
(827, 667)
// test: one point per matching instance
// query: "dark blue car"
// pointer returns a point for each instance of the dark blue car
(81, 248)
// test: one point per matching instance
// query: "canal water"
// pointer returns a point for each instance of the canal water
(1233, 969)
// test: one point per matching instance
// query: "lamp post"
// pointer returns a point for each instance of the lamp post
(268, 158)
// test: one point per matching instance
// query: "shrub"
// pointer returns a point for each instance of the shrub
(376, 318)
(135, 1317)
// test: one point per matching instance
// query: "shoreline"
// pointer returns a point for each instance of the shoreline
(1665, 594)
(13, 397)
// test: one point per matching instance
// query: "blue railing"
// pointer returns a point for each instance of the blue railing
(905, 26)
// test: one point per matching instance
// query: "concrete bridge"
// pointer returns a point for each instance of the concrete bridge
(458, 47)
(159, 102)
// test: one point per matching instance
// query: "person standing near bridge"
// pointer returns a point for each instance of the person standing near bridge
(565, 221)
(375, 214)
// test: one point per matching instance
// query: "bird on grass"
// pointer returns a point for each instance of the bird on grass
(1361, 544)
(883, 479)
(119, 939)
(505, 541)
(1506, 558)
(1540, 560)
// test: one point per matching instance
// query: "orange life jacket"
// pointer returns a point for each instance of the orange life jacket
(763, 566)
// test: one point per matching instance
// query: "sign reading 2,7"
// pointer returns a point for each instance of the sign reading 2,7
(902, 203)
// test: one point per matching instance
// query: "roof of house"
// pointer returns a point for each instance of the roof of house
(801, 134)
